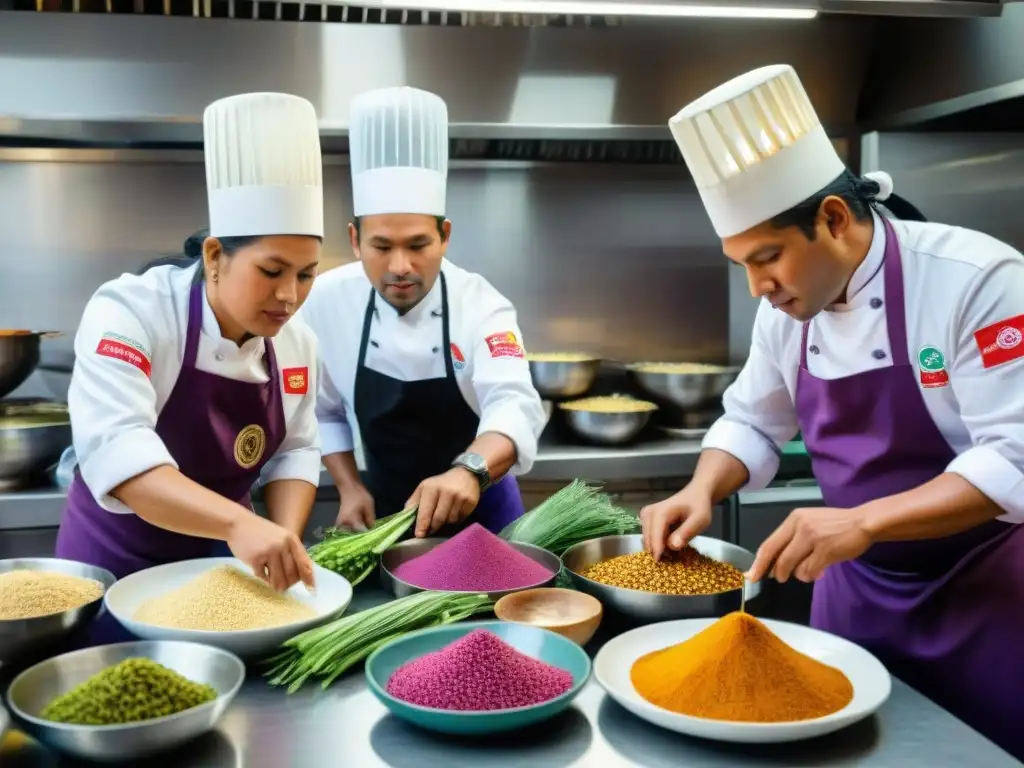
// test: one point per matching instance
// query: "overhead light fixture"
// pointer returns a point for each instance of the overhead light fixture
(600, 8)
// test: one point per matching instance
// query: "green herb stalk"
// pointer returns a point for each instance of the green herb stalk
(355, 555)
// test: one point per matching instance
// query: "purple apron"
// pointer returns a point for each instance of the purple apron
(943, 614)
(412, 430)
(202, 425)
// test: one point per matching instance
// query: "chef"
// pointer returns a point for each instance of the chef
(193, 383)
(424, 359)
(895, 348)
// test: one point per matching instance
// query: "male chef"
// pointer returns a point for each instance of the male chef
(424, 359)
(895, 347)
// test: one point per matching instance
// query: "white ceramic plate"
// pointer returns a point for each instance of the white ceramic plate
(871, 681)
(332, 596)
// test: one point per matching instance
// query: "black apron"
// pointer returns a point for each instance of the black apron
(412, 430)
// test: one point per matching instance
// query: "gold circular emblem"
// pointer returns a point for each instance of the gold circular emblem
(249, 446)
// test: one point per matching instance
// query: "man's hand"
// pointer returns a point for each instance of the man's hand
(670, 524)
(357, 511)
(444, 499)
(810, 540)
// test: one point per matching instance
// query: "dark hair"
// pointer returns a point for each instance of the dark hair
(439, 219)
(858, 192)
(192, 251)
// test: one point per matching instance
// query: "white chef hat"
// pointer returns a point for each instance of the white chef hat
(398, 143)
(755, 148)
(264, 174)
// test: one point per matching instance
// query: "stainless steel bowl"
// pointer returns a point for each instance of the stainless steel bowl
(20, 636)
(34, 688)
(649, 606)
(560, 380)
(33, 435)
(685, 390)
(607, 428)
(5, 721)
(19, 356)
(413, 548)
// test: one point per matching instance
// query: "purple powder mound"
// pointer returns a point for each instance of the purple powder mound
(475, 560)
(478, 672)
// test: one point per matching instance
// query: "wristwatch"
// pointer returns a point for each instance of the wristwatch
(477, 465)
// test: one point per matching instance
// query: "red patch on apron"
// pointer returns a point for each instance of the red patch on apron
(125, 352)
(1001, 342)
(296, 380)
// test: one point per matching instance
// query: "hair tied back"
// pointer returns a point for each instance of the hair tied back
(883, 181)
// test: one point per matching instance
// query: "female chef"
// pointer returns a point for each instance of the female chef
(897, 349)
(191, 384)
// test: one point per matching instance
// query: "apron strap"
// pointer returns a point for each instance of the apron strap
(449, 365)
(195, 324)
(895, 310)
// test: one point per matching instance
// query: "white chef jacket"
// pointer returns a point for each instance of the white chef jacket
(956, 282)
(408, 347)
(114, 405)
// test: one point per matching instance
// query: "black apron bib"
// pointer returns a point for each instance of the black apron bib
(410, 430)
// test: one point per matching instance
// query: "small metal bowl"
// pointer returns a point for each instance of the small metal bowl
(34, 688)
(413, 548)
(685, 390)
(5, 721)
(560, 380)
(607, 428)
(650, 606)
(33, 435)
(20, 636)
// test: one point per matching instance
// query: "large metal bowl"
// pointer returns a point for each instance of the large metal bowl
(34, 688)
(21, 636)
(685, 390)
(413, 548)
(560, 380)
(33, 435)
(19, 356)
(606, 428)
(649, 606)
(5, 721)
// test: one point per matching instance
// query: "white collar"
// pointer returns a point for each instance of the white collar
(869, 269)
(211, 328)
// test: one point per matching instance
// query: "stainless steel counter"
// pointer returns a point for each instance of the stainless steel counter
(345, 726)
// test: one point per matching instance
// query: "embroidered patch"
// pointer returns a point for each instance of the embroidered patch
(127, 350)
(505, 344)
(249, 446)
(296, 380)
(933, 367)
(1001, 342)
(458, 360)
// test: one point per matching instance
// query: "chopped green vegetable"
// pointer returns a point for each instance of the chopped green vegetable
(576, 513)
(355, 555)
(329, 651)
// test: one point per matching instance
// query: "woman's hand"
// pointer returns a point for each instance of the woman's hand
(274, 554)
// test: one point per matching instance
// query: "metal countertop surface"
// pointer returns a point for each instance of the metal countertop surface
(346, 727)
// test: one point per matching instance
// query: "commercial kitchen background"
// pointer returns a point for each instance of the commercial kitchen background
(566, 190)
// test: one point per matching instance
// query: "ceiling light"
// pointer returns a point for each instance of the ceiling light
(599, 8)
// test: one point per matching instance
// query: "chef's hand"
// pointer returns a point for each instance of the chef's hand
(670, 524)
(275, 555)
(443, 499)
(357, 509)
(810, 540)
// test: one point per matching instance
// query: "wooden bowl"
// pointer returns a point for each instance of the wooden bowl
(574, 615)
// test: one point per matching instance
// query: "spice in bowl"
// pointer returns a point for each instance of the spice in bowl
(129, 692)
(223, 599)
(739, 670)
(478, 672)
(474, 560)
(687, 572)
(609, 404)
(26, 594)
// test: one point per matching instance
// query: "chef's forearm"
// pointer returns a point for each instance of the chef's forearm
(289, 503)
(343, 470)
(167, 499)
(941, 507)
(497, 450)
(718, 474)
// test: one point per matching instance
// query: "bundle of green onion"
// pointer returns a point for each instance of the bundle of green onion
(327, 652)
(355, 555)
(576, 513)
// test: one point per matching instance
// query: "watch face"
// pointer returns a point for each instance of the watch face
(474, 462)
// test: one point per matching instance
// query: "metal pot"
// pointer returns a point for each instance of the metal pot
(19, 356)
(33, 435)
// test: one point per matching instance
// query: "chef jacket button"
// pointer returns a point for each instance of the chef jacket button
(814, 350)
(434, 350)
(876, 303)
(878, 354)
(219, 357)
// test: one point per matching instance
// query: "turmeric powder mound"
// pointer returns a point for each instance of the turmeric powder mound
(738, 670)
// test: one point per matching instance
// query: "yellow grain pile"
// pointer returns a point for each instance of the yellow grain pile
(223, 600)
(610, 404)
(677, 368)
(28, 594)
